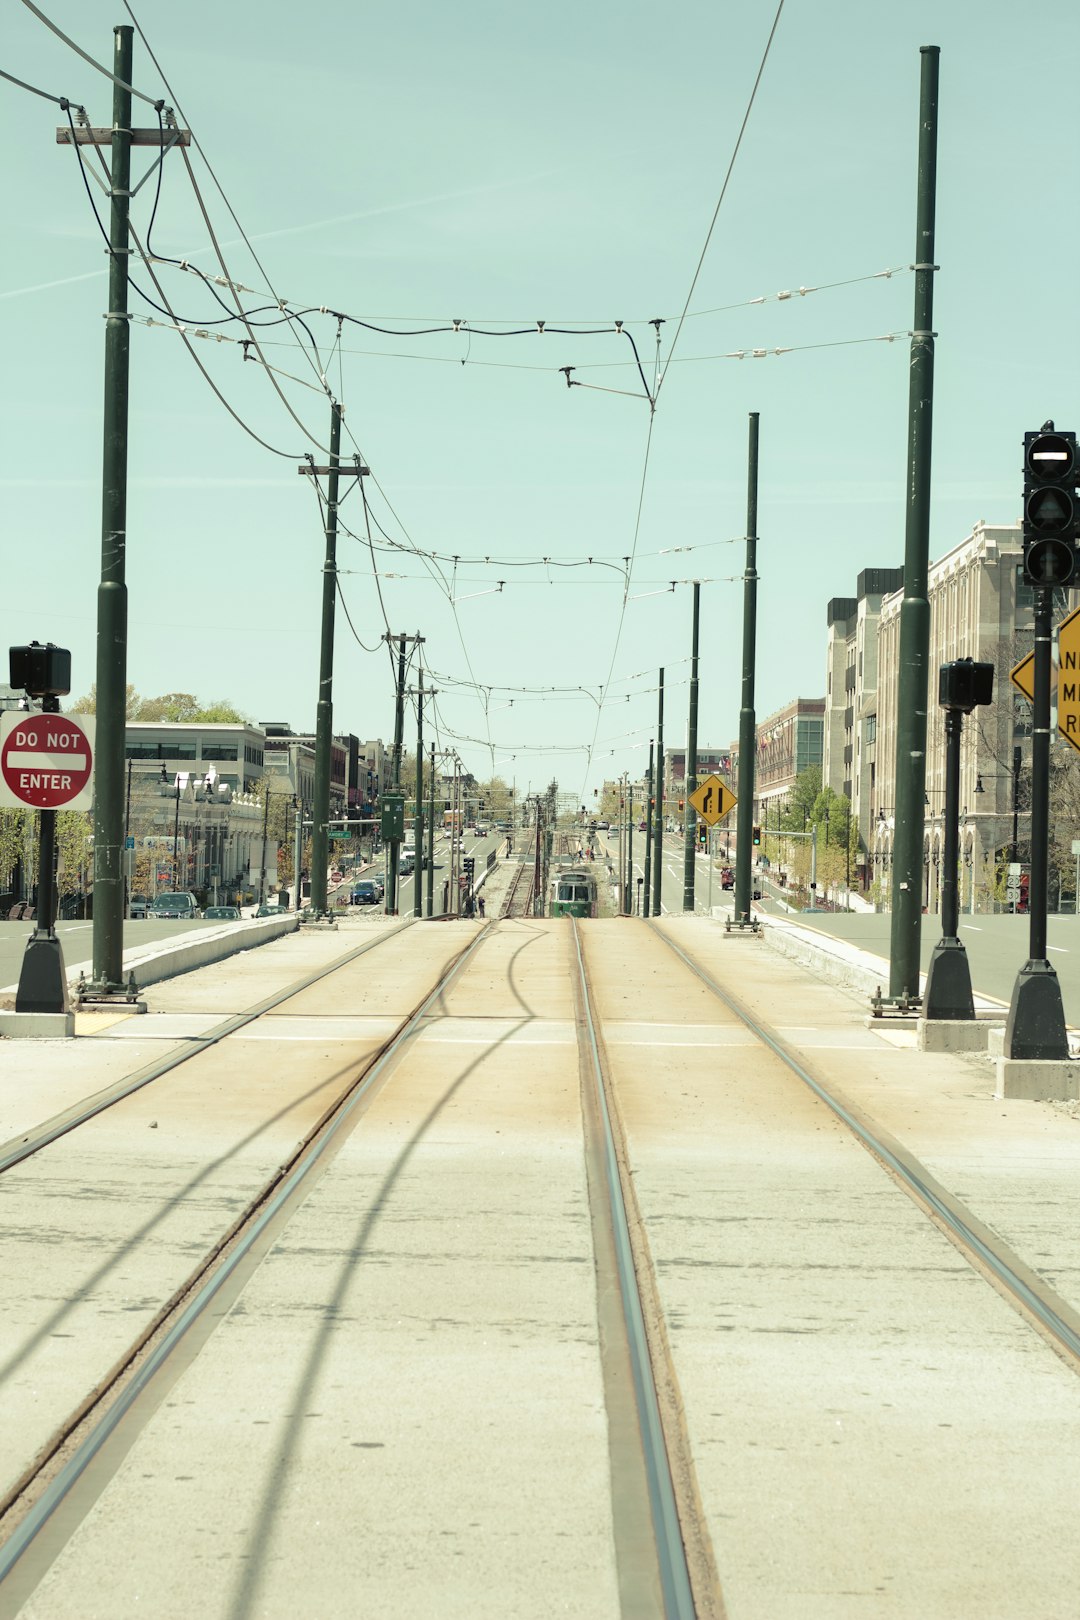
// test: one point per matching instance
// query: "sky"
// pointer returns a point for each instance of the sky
(501, 166)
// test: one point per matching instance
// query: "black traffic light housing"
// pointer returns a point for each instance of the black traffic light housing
(964, 685)
(757, 835)
(40, 671)
(1051, 474)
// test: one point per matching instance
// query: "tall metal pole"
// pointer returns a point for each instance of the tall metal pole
(629, 894)
(1035, 1027)
(690, 834)
(108, 934)
(913, 680)
(658, 790)
(747, 718)
(418, 867)
(393, 858)
(646, 897)
(431, 838)
(324, 714)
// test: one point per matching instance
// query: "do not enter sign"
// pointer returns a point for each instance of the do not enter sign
(47, 761)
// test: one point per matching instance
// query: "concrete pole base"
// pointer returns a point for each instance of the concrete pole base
(42, 979)
(1035, 1028)
(1037, 1081)
(948, 982)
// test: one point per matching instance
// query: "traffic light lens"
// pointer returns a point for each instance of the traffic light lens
(1050, 562)
(1049, 509)
(1051, 455)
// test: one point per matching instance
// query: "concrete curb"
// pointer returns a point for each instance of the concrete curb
(165, 960)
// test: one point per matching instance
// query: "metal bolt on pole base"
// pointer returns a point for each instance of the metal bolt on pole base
(903, 1003)
(948, 982)
(1035, 1027)
(42, 980)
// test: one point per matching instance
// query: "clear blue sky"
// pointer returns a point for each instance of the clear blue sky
(501, 165)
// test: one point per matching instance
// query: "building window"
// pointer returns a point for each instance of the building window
(219, 750)
(871, 728)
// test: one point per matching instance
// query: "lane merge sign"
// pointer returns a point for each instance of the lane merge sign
(712, 799)
(1067, 675)
(47, 761)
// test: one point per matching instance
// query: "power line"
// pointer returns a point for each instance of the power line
(723, 191)
(151, 101)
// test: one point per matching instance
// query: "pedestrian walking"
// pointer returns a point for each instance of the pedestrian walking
(480, 904)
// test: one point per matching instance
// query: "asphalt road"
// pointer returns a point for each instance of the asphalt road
(997, 947)
(76, 940)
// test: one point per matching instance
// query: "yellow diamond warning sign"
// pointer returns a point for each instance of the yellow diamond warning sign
(1069, 678)
(712, 799)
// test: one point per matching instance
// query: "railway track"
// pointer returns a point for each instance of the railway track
(69, 1473)
(227, 1245)
(467, 1251)
(985, 1250)
(519, 896)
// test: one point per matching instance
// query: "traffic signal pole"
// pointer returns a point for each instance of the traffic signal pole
(690, 831)
(1035, 1027)
(913, 682)
(747, 718)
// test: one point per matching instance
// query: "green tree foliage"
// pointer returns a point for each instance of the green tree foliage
(177, 708)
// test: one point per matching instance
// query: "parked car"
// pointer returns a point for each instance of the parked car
(222, 914)
(365, 893)
(178, 903)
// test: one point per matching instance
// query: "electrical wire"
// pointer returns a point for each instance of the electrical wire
(59, 101)
(723, 191)
(151, 101)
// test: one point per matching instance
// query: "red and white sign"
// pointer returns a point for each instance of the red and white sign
(47, 761)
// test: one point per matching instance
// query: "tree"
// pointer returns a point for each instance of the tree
(177, 708)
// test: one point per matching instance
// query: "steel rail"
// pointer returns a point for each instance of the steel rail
(72, 1471)
(1017, 1280)
(15, 1151)
(676, 1590)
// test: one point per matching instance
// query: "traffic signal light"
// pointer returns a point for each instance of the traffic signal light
(757, 835)
(702, 833)
(1050, 512)
(680, 804)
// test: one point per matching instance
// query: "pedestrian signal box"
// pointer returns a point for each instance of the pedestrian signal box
(393, 816)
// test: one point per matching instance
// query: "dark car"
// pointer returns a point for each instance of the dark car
(177, 903)
(268, 911)
(222, 913)
(365, 893)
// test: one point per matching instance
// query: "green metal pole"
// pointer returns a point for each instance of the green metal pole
(690, 831)
(108, 947)
(628, 890)
(658, 791)
(646, 891)
(913, 679)
(418, 868)
(324, 714)
(399, 733)
(747, 718)
(431, 837)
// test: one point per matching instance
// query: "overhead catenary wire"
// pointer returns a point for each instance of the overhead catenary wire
(151, 101)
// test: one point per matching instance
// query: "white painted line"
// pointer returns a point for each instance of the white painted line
(970, 928)
(1062, 948)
